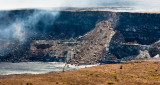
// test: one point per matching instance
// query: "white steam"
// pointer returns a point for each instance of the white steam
(17, 30)
(20, 31)
(14, 31)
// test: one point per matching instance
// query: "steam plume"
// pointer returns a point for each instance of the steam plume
(18, 30)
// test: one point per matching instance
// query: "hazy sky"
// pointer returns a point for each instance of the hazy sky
(17, 4)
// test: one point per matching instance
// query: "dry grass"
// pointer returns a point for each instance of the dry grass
(132, 73)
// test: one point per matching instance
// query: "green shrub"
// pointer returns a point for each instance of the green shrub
(65, 83)
(121, 67)
(110, 83)
(29, 84)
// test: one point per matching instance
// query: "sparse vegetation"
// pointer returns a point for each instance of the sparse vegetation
(93, 75)
(110, 83)
(114, 72)
(29, 84)
(100, 75)
(65, 83)
(57, 83)
(155, 62)
(121, 67)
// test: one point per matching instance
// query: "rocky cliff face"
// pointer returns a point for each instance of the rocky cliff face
(83, 50)
(86, 37)
(142, 28)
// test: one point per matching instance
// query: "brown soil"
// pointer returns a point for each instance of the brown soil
(131, 73)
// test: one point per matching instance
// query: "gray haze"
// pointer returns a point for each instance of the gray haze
(17, 30)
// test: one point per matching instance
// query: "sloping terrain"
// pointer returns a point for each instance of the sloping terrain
(131, 73)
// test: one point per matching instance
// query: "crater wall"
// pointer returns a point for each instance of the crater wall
(83, 37)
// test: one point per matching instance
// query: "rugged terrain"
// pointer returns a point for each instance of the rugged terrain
(84, 36)
(130, 73)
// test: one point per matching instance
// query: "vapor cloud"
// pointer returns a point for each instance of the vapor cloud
(18, 30)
